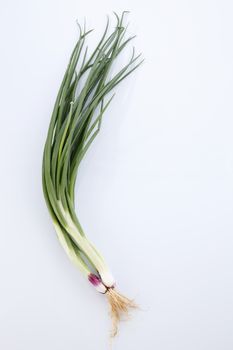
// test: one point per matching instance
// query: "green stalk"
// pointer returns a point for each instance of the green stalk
(75, 122)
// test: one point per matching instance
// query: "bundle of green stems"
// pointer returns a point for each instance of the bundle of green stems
(84, 95)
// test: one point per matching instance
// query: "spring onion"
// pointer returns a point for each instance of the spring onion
(75, 122)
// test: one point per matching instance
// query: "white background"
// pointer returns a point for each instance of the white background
(154, 193)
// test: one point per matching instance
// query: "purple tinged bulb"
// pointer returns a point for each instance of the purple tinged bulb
(95, 280)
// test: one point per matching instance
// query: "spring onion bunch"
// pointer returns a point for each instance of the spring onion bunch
(82, 99)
